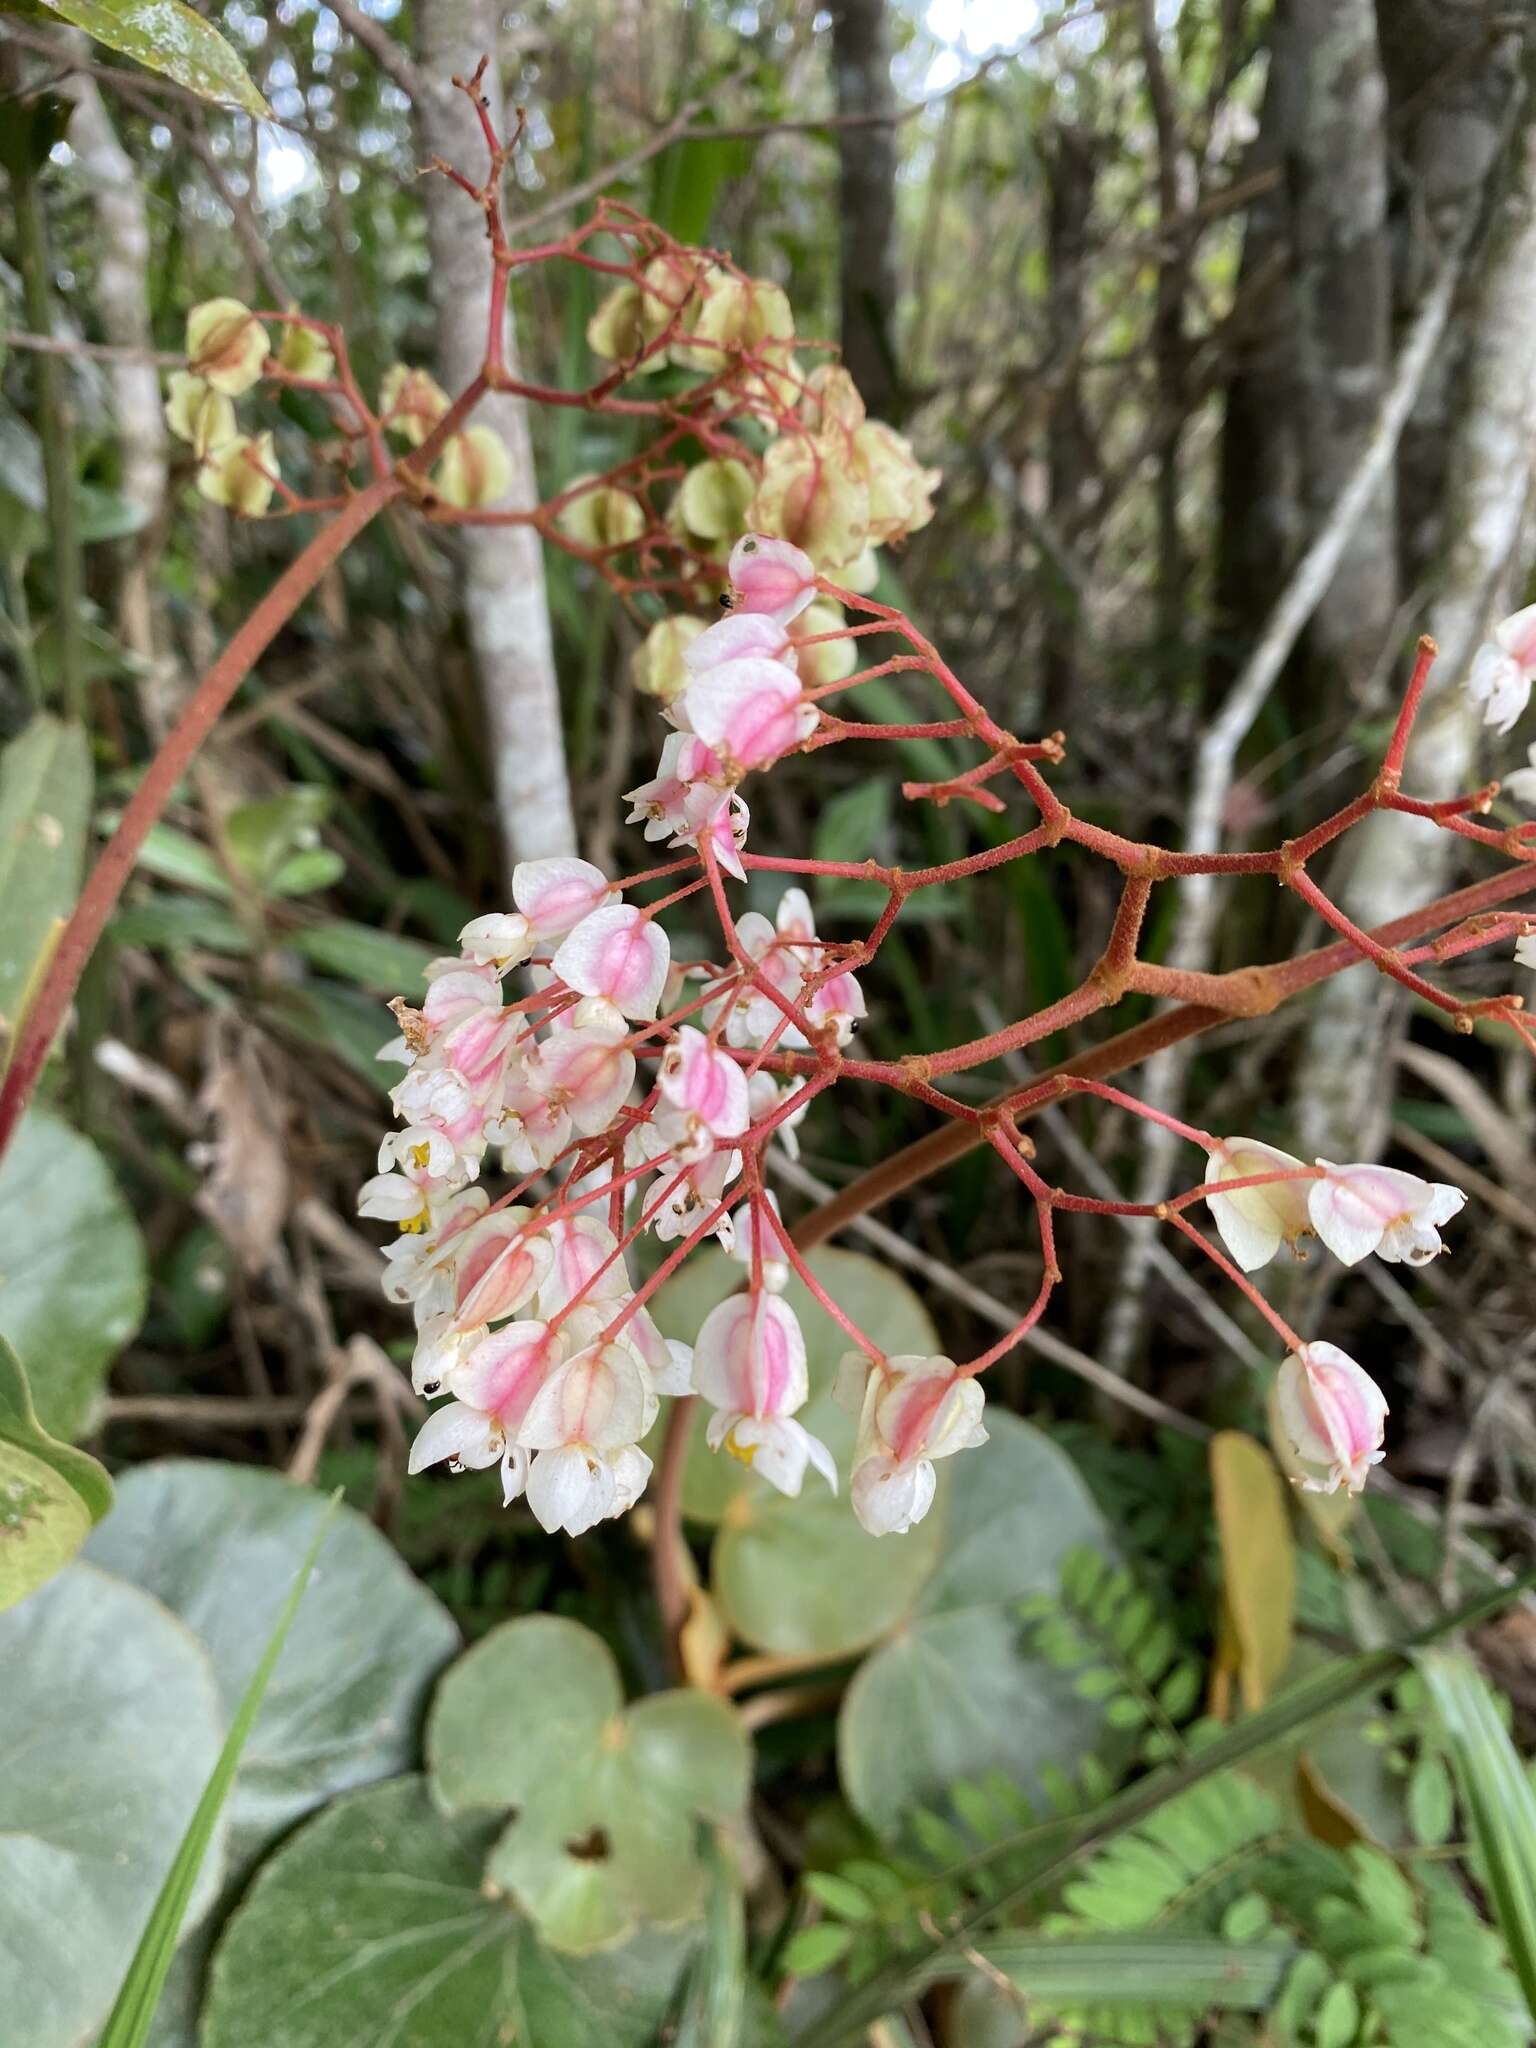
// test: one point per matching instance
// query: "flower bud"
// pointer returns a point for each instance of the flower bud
(195, 412)
(604, 517)
(473, 470)
(1333, 1413)
(771, 576)
(227, 345)
(411, 402)
(240, 474)
(812, 495)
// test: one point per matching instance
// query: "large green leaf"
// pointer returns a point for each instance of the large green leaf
(72, 1277)
(43, 1523)
(801, 1576)
(373, 1925)
(166, 36)
(220, 1545)
(19, 1426)
(45, 802)
(953, 1694)
(605, 1799)
(140, 1994)
(110, 1721)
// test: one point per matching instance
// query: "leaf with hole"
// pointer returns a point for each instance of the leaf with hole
(605, 1799)
(373, 1924)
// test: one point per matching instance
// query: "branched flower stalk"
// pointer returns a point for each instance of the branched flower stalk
(629, 1092)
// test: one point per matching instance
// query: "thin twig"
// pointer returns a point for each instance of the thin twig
(993, 1311)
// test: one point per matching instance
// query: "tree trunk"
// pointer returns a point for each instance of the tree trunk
(122, 299)
(505, 604)
(1260, 530)
(1329, 70)
(1473, 488)
(1071, 170)
(861, 56)
(1168, 351)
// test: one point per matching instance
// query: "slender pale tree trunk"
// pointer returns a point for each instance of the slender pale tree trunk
(861, 56)
(1328, 107)
(1329, 66)
(1070, 167)
(122, 300)
(506, 607)
(1471, 489)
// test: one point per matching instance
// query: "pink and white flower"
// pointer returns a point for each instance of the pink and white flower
(499, 1265)
(1503, 669)
(1255, 1222)
(771, 576)
(686, 793)
(1522, 784)
(764, 1095)
(618, 953)
(1333, 1412)
(838, 1003)
(582, 1265)
(750, 712)
(749, 1364)
(419, 1266)
(554, 895)
(494, 1379)
(704, 1097)
(584, 1427)
(586, 1070)
(1357, 1210)
(914, 1410)
(738, 634)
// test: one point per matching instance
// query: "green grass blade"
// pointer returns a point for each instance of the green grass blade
(1499, 1800)
(1063, 1845)
(714, 2002)
(1144, 1971)
(130, 2018)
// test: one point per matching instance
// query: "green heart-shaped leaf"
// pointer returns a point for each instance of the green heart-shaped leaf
(372, 1924)
(604, 1798)
(219, 1545)
(953, 1694)
(45, 802)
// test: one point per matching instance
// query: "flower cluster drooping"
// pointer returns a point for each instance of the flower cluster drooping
(527, 1319)
(635, 1098)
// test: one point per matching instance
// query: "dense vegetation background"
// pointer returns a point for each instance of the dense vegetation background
(1148, 282)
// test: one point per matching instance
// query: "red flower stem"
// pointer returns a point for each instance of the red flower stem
(1239, 1280)
(115, 863)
